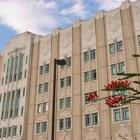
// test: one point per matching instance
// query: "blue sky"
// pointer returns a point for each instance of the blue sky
(42, 16)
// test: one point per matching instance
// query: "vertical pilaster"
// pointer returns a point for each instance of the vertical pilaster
(102, 65)
(33, 90)
(76, 82)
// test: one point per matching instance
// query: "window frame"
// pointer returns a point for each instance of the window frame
(121, 114)
(120, 67)
(68, 62)
(90, 119)
(119, 48)
(115, 66)
(138, 37)
(92, 54)
(47, 68)
(110, 48)
(86, 56)
(93, 75)
(62, 80)
(41, 70)
(86, 76)
(68, 81)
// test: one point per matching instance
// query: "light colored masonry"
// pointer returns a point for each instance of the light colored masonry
(94, 49)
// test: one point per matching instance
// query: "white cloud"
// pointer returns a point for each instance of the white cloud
(31, 15)
(109, 4)
(77, 9)
(42, 16)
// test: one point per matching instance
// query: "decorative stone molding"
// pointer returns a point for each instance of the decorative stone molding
(56, 31)
(41, 118)
(16, 50)
(77, 23)
(99, 14)
(45, 46)
(88, 32)
(113, 23)
(136, 14)
(125, 4)
(66, 40)
(123, 132)
(86, 87)
(91, 135)
(90, 108)
(64, 137)
(64, 113)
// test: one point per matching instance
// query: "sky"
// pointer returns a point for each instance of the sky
(42, 16)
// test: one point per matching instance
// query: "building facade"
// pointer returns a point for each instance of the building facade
(95, 50)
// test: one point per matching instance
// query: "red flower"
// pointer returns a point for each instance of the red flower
(92, 96)
(117, 84)
(113, 101)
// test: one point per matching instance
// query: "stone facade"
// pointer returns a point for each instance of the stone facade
(91, 40)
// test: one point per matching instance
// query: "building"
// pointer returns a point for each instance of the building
(95, 50)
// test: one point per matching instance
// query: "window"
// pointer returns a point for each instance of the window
(91, 119)
(2, 80)
(40, 88)
(46, 87)
(122, 92)
(17, 102)
(121, 67)
(121, 114)
(20, 75)
(94, 118)
(22, 111)
(119, 46)
(68, 102)
(62, 83)
(38, 128)
(112, 48)
(92, 54)
(86, 102)
(86, 56)
(41, 70)
(26, 60)
(61, 124)
(9, 131)
(113, 69)
(68, 81)
(44, 127)
(41, 127)
(47, 68)
(68, 123)
(4, 132)
(4, 67)
(93, 75)
(139, 40)
(61, 103)
(39, 108)
(65, 103)
(117, 116)
(14, 130)
(25, 73)
(86, 76)
(0, 132)
(0, 97)
(68, 61)
(45, 107)
(20, 131)
(87, 120)
(23, 91)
